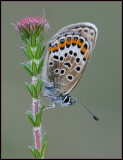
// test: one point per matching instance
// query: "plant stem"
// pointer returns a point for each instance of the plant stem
(36, 104)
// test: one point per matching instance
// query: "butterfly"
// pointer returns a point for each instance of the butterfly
(69, 52)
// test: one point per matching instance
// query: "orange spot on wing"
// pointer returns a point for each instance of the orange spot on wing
(83, 49)
(67, 42)
(86, 56)
(51, 49)
(61, 45)
(75, 41)
(55, 48)
(80, 43)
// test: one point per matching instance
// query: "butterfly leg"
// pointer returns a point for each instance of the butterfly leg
(47, 96)
(52, 101)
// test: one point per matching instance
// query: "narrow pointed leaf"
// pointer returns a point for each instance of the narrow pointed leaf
(37, 153)
(43, 150)
(37, 53)
(34, 68)
(33, 39)
(41, 39)
(30, 53)
(29, 66)
(31, 118)
(27, 69)
(26, 34)
(42, 107)
(29, 88)
(42, 49)
(38, 86)
(40, 65)
(38, 30)
(25, 40)
(38, 119)
(25, 51)
(34, 93)
(31, 149)
(43, 138)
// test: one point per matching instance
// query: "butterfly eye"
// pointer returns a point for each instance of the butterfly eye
(66, 100)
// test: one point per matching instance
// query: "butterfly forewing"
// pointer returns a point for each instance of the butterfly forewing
(69, 52)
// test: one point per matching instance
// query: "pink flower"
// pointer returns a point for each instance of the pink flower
(31, 23)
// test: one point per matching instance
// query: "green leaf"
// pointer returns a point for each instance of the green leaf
(34, 93)
(40, 65)
(37, 153)
(37, 53)
(26, 34)
(30, 53)
(42, 107)
(33, 39)
(34, 68)
(29, 88)
(31, 149)
(25, 51)
(38, 119)
(43, 149)
(41, 38)
(29, 66)
(38, 30)
(38, 86)
(42, 49)
(25, 40)
(44, 138)
(27, 69)
(31, 118)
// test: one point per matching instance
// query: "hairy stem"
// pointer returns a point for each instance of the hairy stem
(37, 130)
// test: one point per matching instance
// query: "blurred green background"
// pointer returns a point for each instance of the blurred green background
(71, 131)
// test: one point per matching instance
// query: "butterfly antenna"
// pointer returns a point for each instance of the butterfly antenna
(97, 119)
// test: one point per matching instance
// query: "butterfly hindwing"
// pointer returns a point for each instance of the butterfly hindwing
(69, 52)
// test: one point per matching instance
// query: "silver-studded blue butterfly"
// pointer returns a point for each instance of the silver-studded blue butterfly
(69, 52)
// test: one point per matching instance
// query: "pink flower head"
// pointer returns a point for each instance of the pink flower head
(31, 23)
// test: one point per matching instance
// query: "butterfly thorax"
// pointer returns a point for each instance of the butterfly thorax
(55, 95)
